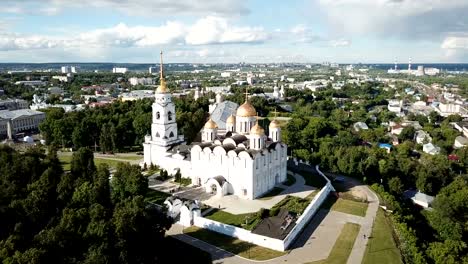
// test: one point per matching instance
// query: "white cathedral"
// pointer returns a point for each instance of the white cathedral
(239, 160)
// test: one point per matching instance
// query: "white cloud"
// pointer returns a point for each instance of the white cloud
(130, 7)
(16, 42)
(409, 19)
(455, 43)
(304, 34)
(215, 30)
(205, 31)
(340, 43)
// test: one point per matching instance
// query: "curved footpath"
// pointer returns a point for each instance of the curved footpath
(308, 246)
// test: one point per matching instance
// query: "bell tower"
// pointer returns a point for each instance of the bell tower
(164, 126)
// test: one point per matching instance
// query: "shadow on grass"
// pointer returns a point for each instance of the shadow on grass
(232, 245)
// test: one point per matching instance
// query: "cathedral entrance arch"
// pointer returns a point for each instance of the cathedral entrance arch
(217, 186)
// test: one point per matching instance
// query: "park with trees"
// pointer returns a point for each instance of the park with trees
(321, 132)
(82, 216)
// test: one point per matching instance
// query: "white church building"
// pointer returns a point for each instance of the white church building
(240, 160)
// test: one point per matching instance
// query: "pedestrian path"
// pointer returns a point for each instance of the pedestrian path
(313, 244)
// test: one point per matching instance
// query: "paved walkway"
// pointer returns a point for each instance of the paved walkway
(314, 243)
(235, 205)
(359, 248)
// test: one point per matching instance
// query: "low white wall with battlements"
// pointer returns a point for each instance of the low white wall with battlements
(268, 242)
(240, 233)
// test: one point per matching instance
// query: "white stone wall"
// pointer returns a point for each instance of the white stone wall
(236, 169)
(268, 242)
(309, 212)
(240, 233)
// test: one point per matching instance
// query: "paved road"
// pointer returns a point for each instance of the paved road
(314, 243)
(359, 248)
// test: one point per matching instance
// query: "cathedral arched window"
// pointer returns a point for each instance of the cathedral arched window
(158, 115)
(157, 134)
(171, 134)
(169, 115)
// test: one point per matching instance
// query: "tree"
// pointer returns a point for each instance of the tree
(128, 181)
(407, 133)
(396, 186)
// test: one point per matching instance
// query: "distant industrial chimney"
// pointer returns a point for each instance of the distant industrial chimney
(409, 65)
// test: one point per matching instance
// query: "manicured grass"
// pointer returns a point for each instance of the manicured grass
(233, 245)
(293, 204)
(345, 206)
(272, 193)
(127, 157)
(290, 180)
(66, 162)
(238, 220)
(343, 245)
(156, 197)
(184, 181)
(109, 162)
(381, 247)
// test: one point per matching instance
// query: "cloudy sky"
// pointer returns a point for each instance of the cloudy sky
(346, 31)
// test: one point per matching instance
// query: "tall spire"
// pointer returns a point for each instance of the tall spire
(162, 87)
(161, 65)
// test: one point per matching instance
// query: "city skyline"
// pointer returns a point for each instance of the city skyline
(345, 31)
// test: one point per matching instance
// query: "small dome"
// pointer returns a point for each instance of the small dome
(211, 124)
(257, 130)
(231, 120)
(274, 124)
(246, 110)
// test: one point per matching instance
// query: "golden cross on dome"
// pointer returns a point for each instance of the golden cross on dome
(276, 113)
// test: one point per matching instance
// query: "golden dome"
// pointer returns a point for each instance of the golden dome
(246, 110)
(231, 120)
(274, 124)
(257, 130)
(211, 124)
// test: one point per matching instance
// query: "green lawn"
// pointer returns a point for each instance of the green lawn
(292, 203)
(239, 220)
(345, 206)
(128, 157)
(290, 180)
(272, 193)
(109, 162)
(156, 197)
(381, 247)
(343, 246)
(66, 162)
(233, 245)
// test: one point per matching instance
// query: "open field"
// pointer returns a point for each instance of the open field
(381, 247)
(156, 197)
(345, 206)
(233, 219)
(343, 245)
(233, 245)
(111, 161)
